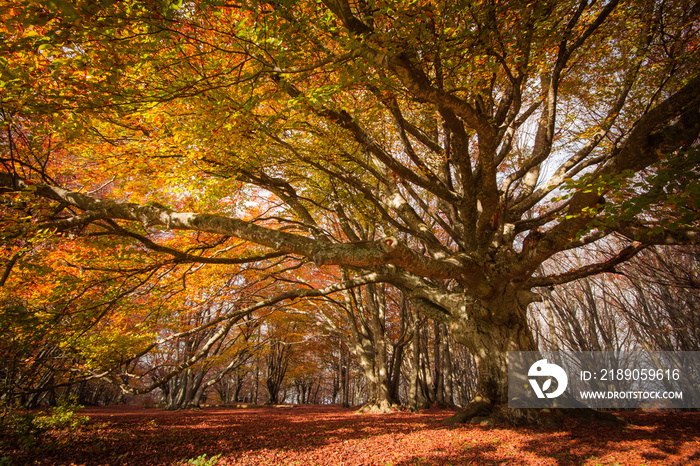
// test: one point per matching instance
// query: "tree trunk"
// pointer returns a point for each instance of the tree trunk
(345, 377)
(314, 398)
(380, 400)
(338, 374)
(438, 381)
(426, 380)
(370, 347)
(257, 377)
(395, 379)
(490, 330)
(413, 390)
(272, 391)
(447, 367)
(383, 401)
(238, 384)
(198, 395)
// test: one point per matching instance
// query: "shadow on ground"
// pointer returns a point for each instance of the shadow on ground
(332, 435)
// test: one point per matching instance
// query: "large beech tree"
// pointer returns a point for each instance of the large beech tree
(447, 148)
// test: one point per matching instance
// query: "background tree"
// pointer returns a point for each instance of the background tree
(649, 304)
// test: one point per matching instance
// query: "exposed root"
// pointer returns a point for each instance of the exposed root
(377, 408)
(486, 414)
(476, 412)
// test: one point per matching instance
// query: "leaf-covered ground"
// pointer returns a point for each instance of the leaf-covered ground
(336, 436)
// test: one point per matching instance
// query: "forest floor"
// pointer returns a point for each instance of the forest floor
(323, 435)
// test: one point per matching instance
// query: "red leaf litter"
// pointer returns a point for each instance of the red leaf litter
(323, 435)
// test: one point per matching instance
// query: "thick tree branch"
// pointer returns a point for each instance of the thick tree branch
(530, 171)
(592, 269)
(365, 255)
(184, 257)
(427, 180)
(8, 268)
(653, 136)
(657, 234)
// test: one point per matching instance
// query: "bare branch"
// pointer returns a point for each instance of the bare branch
(8, 268)
(658, 234)
(593, 269)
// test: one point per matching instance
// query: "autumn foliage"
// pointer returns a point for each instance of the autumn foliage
(332, 436)
(363, 203)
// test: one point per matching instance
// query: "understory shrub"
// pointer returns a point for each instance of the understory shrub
(203, 460)
(25, 429)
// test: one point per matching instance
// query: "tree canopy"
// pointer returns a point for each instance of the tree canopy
(449, 149)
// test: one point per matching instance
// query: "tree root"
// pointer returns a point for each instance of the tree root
(486, 414)
(377, 408)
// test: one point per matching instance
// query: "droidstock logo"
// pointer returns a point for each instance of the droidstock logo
(542, 369)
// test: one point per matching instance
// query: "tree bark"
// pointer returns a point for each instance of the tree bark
(413, 389)
(438, 381)
(491, 330)
(383, 400)
(345, 377)
(447, 367)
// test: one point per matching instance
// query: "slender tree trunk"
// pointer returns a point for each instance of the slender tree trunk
(395, 379)
(338, 374)
(257, 370)
(438, 382)
(426, 379)
(314, 399)
(345, 377)
(198, 396)
(272, 391)
(237, 386)
(257, 379)
(413, 389)
(447, 367)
